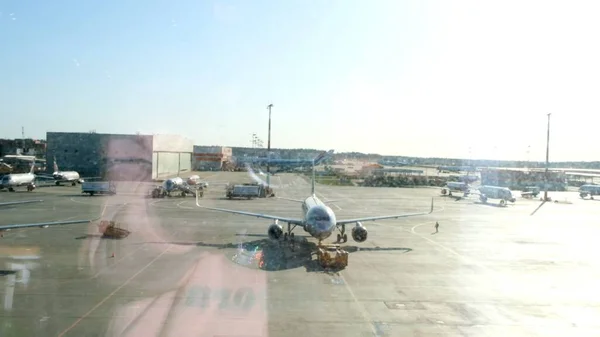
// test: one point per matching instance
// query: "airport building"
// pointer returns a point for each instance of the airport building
(119, 156)
(211, 157)
(519, 179)
(27, 147)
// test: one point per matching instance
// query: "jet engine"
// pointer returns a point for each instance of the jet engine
(275, 231)
(359, 233)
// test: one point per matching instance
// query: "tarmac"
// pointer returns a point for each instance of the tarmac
(520, 270)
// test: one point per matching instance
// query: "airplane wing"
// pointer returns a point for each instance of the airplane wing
(298, 222)
(298, 200)
(18, 202)
(289, 199)
(383, 217)
(41, 224)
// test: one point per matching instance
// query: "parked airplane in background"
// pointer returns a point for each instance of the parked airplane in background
(65, 176)
(319, 220)
(589, 190)
(189, 186)
(496, 192)
(456, 186)
(10, 181)
(38, 224)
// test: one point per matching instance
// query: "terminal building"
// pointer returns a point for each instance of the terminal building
(119, 156)
(519, 179)
(211, 157)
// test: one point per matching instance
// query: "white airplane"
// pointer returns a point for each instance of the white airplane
(195, 180)
(319, 220)
(456, 186)
(189, 186)
(10, 181)
(495, 192)
(65, 176)
(38, 224)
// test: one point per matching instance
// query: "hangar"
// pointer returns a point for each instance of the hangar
(119, 156)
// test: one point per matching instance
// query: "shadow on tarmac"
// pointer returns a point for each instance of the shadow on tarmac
(98, 236)
(275, 255)
(491, 204)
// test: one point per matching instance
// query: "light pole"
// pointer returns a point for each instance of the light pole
(547, 159)
(269, 148)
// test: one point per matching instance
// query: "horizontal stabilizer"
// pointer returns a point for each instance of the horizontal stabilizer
(44, 224)
(288, 199)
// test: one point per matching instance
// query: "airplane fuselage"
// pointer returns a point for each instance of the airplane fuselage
(319, 219)
(69, 176)
(19, 179)
(172, 184)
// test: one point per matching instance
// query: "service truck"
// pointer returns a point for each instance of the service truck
(98, 187)
(248, 191)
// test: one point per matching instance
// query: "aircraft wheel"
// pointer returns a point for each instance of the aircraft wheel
(292, 236)
(73, 183)
(285, 236)
(10, 189)
(345, 238)
(339, 238)
(57, 183)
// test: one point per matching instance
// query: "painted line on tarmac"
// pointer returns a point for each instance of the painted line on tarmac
(114, 292)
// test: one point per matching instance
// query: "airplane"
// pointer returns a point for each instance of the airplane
(319, 220)
(38, 224)
(495, 192)
(589, 190)
(65, 176)
(189, 186)
(10, 181)
(455, 186)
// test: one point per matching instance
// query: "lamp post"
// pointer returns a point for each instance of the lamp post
(269, 148)
(547, 160)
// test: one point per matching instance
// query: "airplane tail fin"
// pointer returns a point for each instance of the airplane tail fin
(322, 156)
(55, 165)
(318, 159)
(312, 191)
(32, 169)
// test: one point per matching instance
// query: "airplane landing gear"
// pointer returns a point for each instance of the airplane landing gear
(342, 237)
(289, 235)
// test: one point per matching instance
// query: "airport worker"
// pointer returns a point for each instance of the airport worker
(437, 225)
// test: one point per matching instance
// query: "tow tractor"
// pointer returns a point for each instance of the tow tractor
(332, 256)
(109, 229)
(160, 192)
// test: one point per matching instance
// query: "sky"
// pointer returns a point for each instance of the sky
(467, 79)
